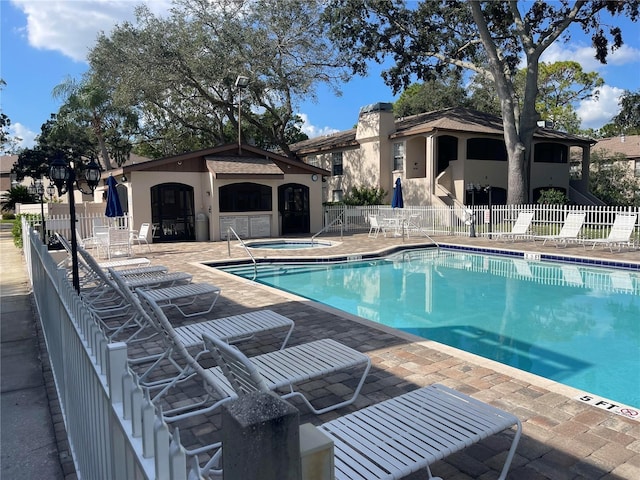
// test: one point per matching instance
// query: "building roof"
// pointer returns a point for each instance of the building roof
(456, 119)
(6, 163)
(234, 167)
(628, 145)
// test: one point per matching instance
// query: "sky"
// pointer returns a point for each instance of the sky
(45, 42)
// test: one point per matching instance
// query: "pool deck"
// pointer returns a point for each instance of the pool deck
(563, 438)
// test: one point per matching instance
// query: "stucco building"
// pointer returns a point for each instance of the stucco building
(439, 155)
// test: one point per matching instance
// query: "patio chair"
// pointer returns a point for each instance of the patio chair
(569, 231)
(520, 228)
(283, 369)
(141, 236)
(375, 226)
(620, 234)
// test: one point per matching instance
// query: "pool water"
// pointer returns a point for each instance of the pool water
(578, 325)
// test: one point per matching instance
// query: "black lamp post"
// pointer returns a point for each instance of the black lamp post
(471, 188)
(63, 175)
(241, 83)
(37, 188)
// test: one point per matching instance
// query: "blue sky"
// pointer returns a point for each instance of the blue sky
(45, 41)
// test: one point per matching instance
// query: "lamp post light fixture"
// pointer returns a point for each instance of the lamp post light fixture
(241, 83)
(37, 189)
(63, 175)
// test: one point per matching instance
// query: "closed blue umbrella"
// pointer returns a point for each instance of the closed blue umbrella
(397, 200)
(114, 209)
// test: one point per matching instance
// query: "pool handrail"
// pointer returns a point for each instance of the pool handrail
(339, 219)
(246, 249)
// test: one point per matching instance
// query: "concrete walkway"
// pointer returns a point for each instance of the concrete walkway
(28, 445)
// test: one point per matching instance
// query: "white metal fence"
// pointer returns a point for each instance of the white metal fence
(548, 219)
(113, 430)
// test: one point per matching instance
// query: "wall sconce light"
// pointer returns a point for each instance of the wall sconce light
(179, 162)
(124, 178)
(208, 193)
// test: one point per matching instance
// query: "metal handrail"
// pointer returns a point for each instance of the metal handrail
(404, 224)
(246, 249)
(339, 219)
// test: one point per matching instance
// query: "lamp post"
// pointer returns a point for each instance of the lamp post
(471, 188)
(241, 83)
(488, 190)
(63, 175)
(37, 188)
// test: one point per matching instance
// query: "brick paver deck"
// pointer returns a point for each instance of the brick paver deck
(562, 437)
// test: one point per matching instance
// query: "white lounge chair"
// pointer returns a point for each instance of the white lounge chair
(233, 329)
(620, 234)
(520, 228)
(399, 436)
(237, 374)
(569, 231)
(178, 296)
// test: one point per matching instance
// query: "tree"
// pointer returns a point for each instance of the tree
(433, 94)
(627, 121)
(16, 194)
(612, 180)
(8, 144)
(487, 37)
(560, 86)
(88, 104)
(181, 70)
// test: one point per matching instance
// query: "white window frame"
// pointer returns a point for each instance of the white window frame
(398, 156)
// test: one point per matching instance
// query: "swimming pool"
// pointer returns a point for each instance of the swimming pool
(575, 324)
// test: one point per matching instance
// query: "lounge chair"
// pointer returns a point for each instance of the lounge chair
(233, 329)
(520, 228)
(393, 438)
(620, 234)
(399, 436)
(178, 296)
(237, 374)
(569, 231)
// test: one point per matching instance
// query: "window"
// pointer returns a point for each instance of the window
(486, 149)
(245, 197)
(336, 161)
(550, 153)
(637, 168)
(336, 196)
(313, 160)
(398, 156)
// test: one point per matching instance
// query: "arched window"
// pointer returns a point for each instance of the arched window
(245, 197)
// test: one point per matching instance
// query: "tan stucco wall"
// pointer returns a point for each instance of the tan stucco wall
(140, 200)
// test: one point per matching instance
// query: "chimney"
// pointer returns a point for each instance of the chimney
(375, 121)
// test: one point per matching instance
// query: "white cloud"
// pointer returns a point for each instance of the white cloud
(585, 55)
(26, 137)
(596, 113)
(71, 26)
(314, 131)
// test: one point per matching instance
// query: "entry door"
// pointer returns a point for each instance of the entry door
(172, 213)
(293, 204)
